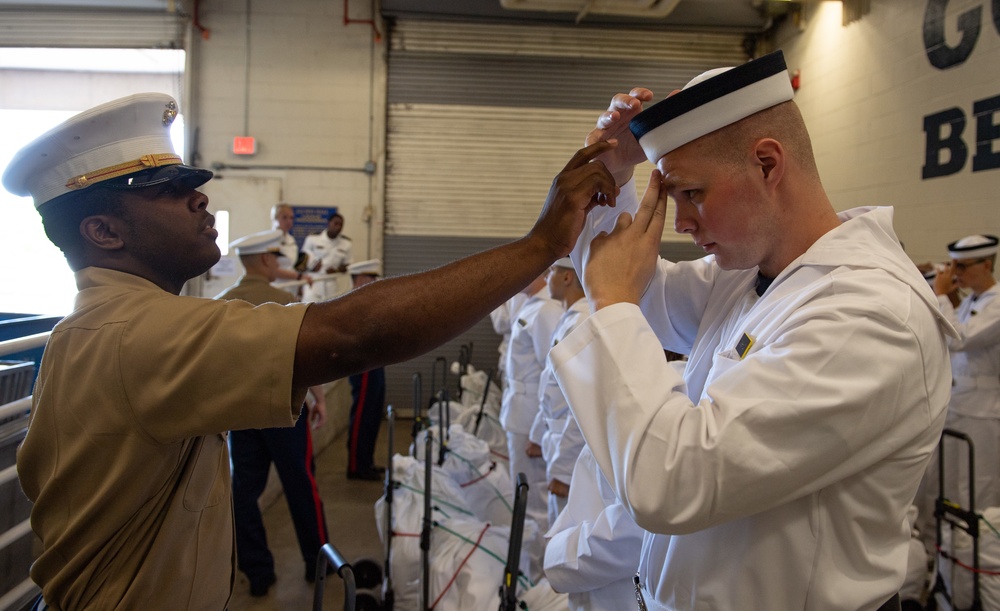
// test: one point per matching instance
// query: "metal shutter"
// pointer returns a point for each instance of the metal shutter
(482, 116)
(82, 28)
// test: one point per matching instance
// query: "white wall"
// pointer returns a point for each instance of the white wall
(865, 90)
(314, 100)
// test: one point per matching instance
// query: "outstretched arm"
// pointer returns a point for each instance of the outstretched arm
(396, 319)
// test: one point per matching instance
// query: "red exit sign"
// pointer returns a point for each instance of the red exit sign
(244, 145)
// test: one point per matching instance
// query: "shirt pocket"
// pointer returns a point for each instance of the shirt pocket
(206, 474)
(723, 362)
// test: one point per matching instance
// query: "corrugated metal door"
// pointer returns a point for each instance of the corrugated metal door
(481, 117)
(83, 28)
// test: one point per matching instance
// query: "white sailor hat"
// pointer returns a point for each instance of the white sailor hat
(711, 101)
(258, 243)
(564, 262)
(124, 144)
(371, 267)
(973, 247)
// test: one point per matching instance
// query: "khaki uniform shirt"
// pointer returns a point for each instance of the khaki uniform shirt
(125, 456)
(256, 290)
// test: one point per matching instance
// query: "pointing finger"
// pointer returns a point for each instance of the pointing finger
(652, 211)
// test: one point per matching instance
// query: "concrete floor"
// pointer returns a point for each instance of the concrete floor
(350, 513)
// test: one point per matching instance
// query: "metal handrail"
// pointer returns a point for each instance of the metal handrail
(15, 407)
(8, 475)
(13, 346)
(18, 594)
(14, 533)
(21, 344)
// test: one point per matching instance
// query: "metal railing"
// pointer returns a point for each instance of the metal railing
(18, 407)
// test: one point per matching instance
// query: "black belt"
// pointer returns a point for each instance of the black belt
(892, 604)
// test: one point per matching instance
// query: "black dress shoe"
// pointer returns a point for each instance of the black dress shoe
(259, 587)
(371, 474)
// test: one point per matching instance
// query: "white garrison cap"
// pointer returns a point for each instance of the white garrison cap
(126, 139)
(974, 246)
(564, 262)
(258, 243)
(371, 267)
(711, 101)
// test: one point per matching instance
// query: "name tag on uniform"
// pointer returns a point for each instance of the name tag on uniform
(743, 346)
(522, 322)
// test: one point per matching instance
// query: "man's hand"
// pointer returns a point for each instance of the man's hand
(944, 284)
(316, 410)
(621, 263)
(613, 125)
(579, 187)
(558, 488)
(533, 450)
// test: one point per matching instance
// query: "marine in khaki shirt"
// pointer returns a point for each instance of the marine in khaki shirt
(125, 456)
(128, 448)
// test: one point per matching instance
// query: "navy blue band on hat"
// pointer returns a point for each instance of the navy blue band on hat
(974, 246)
(706, 91)
(712, 101)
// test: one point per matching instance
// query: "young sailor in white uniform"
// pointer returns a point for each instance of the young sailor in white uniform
(530, 339)
(554, 428)
(818, 374)
(594, 544)
(502, 318)
(975, 363)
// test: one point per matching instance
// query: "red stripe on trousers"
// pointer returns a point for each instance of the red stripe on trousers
(317, 501)
(352, 460)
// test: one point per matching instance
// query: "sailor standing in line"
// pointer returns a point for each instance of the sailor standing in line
(555, 431)
(502, 318)
(594, 545)
(530, 339)
(593, 548)
(975, 363)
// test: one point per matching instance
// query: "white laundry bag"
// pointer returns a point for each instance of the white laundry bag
(958, 578)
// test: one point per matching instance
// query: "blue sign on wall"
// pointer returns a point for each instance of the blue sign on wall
(310, 220)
